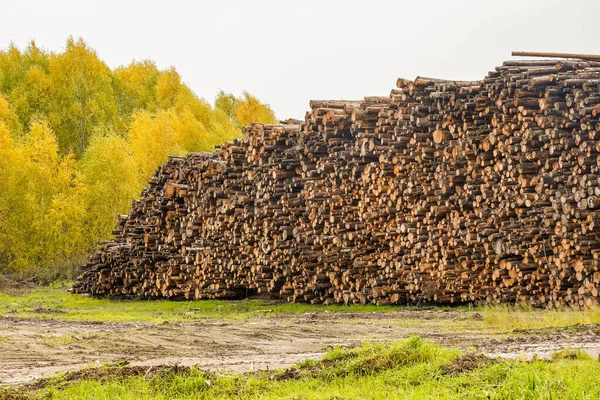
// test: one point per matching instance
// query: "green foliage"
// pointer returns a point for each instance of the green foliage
(79, 141)
(83, 96)
(411, 369)
(227, 103)
(135, 86)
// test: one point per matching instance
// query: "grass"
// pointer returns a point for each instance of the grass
(54, 302)
(506, 318)
(411, 369)
(61, 340)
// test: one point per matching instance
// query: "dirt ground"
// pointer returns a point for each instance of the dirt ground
(31, 349)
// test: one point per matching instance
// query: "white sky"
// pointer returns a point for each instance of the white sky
(288, 52)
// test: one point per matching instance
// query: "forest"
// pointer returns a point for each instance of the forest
(79, 140)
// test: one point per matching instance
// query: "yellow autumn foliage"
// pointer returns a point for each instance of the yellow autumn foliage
(79, 141)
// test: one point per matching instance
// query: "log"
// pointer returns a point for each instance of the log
(590, 57)
(443, 192)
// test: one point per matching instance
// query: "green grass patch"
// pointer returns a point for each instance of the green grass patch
(571, 354)
(507, 318)
(410, 369)
(63, 340)
(55, 302)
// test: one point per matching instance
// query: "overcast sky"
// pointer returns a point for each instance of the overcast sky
(288, 52)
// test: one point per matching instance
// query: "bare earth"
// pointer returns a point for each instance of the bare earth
(30, 349)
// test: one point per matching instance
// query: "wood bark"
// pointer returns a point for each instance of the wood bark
(443, 191)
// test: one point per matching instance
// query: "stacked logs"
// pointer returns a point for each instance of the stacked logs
(443, 191)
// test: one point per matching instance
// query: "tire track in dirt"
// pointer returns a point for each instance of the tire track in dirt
(32, 349)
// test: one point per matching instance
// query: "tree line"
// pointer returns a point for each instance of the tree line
(79, 141)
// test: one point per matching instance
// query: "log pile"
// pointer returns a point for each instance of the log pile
(443, 191)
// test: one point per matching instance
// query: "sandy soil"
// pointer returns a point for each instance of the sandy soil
(30, 349)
